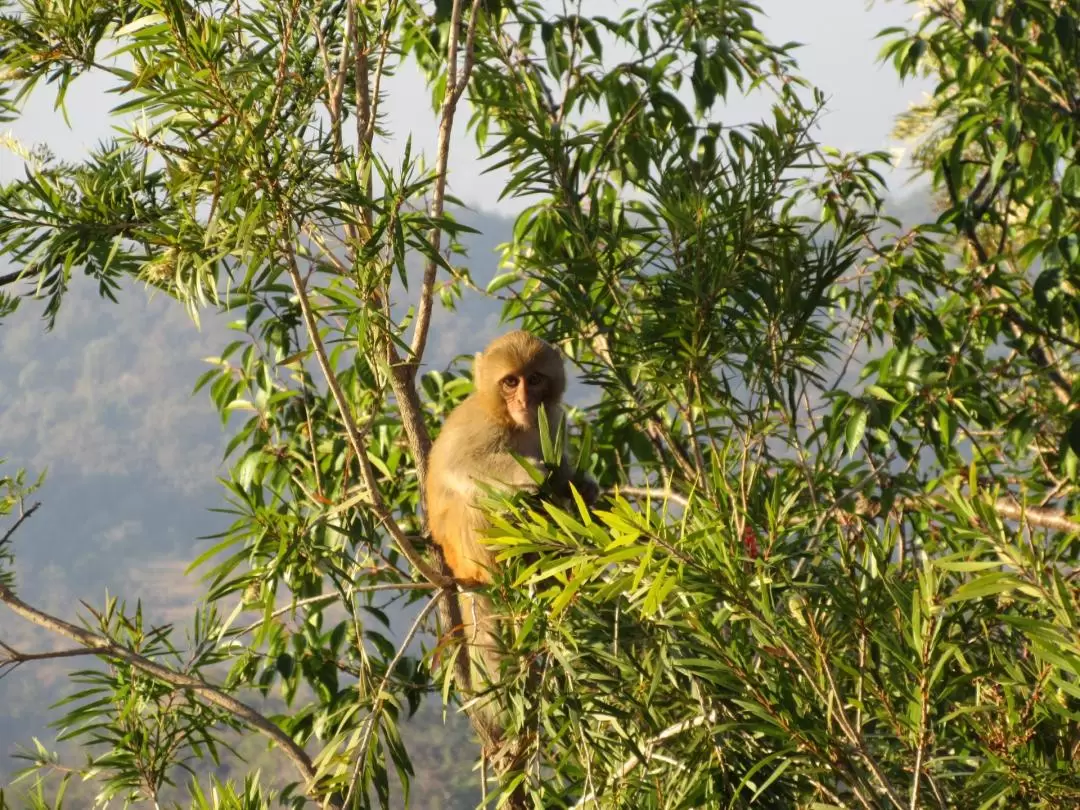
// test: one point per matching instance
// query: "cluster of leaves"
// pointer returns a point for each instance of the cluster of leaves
(141, 733)
(836, 563)
(805, 628)
(994, 323)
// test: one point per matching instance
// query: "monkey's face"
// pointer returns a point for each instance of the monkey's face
(515, 375)
(524, 392)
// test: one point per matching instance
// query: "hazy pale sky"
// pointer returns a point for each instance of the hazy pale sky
(839, 56)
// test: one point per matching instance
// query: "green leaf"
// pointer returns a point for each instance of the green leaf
(986, 585)
(502, 280)
(284, 665)
(1073, 435)
(877, 392)
(1070, 182)
(856, 428)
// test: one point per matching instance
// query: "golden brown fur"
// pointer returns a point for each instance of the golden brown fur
(513, 377)
(475, 444)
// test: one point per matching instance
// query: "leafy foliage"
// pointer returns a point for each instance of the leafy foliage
(836, 562)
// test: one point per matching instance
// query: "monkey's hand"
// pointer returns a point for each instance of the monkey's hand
(588, 488)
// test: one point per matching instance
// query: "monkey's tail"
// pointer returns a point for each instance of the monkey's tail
(471, 635)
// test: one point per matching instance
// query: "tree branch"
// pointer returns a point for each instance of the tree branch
(105, 647)
(1061, 386)
(352, 431)
(455, 87)
(648, 751)
(649, 492)
(22, 519)
(1007, 508)
(381, 693)
(403, 371)
(12, 657)
(1044, 518)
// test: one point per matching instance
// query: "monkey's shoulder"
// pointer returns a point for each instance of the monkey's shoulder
(470, 431)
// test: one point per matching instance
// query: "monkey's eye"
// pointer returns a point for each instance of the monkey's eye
(535, 378)
(509, 382)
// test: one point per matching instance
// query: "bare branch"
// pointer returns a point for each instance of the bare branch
(1044, 518)
(283, 59)
(649, 492)
(455, 87)
(12, 658)
(368, 134)
(403, 371)
(1008, 508)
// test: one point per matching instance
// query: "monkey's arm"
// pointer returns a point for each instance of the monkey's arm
(490, 465)
(586, 485)
(504, 471)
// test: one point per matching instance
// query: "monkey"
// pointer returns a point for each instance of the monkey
(513, 378)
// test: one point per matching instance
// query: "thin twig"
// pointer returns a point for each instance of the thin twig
(372, 718)
(647, 750)
(13, 657)
(649, 492)
(854, 737)
(329, 597)
(924, 710)
(1061, 387)
(455, 87)
(368, 135)
(22, 518)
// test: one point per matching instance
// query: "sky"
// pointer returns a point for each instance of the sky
(839, 56)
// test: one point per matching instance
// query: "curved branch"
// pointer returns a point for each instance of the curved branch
(106, 647)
